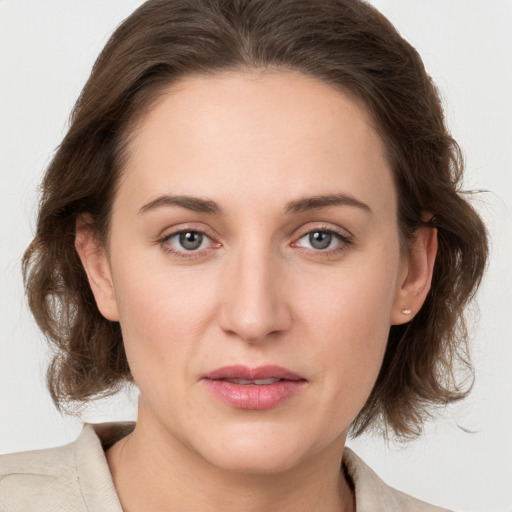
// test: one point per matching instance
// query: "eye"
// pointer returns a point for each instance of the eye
(320, 239)
(189, 240)
(324, 240)
(187, 243)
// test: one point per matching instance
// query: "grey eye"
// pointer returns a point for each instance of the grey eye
(190, 240)
(320, 239)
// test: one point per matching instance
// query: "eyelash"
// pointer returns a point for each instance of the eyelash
(344, 242)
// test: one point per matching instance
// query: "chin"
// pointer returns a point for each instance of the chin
(257, 461)
(261, 450)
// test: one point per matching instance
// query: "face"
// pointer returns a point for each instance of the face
(254, 265)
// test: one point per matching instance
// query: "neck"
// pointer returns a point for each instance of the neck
(153, 471)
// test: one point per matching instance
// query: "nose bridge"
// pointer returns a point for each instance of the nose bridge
(252, 306)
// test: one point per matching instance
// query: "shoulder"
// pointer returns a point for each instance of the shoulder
(40, 478)
(373, 494)
(413, 504)
(71, 478)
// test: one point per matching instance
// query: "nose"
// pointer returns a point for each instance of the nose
(254, 302)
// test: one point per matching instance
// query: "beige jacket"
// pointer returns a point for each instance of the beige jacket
(76, 478)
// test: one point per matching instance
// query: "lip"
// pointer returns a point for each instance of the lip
(254, 396)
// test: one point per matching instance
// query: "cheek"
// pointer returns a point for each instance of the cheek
(354, 329)
(353, 303)
(348, 314)
(161, 311)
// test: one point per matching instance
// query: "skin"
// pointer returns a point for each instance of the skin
(256, 292)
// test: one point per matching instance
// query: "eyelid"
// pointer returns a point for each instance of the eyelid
(343, 233)
(170, 231)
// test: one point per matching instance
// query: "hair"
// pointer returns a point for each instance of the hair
(345, 43)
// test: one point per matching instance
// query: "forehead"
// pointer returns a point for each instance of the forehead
(245, 134)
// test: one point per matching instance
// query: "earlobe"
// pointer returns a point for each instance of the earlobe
(95, 262)
(416, 278)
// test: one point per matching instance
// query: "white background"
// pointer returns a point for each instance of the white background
(46, 52)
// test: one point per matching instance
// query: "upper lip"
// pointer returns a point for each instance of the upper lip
(239, 371)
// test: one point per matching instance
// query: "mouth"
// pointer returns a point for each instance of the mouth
(264, 387)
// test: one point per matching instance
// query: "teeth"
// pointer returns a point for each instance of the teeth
(257, 382)
(243, 382)
(260, 382)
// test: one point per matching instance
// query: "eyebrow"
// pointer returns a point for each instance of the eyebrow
(197, 204)
(324, 201)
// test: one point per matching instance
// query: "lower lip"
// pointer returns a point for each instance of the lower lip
(255, 397)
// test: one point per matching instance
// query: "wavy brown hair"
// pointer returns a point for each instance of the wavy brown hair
(345, 43)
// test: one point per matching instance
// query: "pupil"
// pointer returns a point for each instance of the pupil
(320, 239)
(191, 240)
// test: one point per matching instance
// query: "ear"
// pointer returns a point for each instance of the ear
(416, 275)
(95, 262)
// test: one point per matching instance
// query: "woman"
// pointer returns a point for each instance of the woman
(255, 217)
